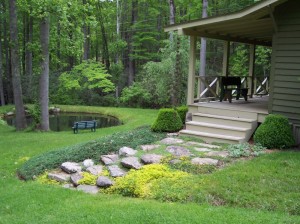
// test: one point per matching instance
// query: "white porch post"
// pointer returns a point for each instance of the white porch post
(191, 77)
(251, 69)
(226, 55)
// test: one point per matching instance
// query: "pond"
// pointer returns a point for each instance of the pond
(65, 121)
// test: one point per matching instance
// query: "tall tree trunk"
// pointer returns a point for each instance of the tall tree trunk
(28, 59)
(203, 48)
(15, 67)
(105, 58)
(44, 78)
(86, 43)
(1, 71)
(134, 15)
(172, 16)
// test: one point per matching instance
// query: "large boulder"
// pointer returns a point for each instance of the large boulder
(116, 171)
(178, 151)
(109, 159)
(204, 161)
(151, 158)
(75, 178)
(87, 163)
(95, 170)
(59, 176)
(104, 182)
(131, 163)
(88, 189)
(126, 151)
(70, 167)
(170, 141)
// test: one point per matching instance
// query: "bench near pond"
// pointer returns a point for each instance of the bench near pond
(84, 125)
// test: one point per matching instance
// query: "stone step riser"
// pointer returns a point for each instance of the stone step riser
(219, 121)
(212, 139)
(213, 130)
(225, 112)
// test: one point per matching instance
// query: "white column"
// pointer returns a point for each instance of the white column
(191, 77)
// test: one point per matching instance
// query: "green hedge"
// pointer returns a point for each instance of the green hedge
(92, 150)
(182, 110)
(275, 132)
(167, 120)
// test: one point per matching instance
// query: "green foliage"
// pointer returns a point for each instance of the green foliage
(82, 82)
(136, 96)
(182, 112)
(43, 179)
(245, 149)
(88, 179)
(93, 149)
(167, 120)
(35, 113)
(275, 132)
(137, 183)
(186, 165)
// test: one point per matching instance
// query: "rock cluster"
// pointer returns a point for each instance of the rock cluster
(127, 159)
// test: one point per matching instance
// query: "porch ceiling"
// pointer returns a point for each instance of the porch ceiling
(253, 25)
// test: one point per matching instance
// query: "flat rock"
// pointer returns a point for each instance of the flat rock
(204, 145)
(178, 151)
(149, 147)
(131, 163)
(116, 171)
(60, 177)
(151, 158)
(204, 161)
(109, 159)
(68, 186)
(70, 167)
(88, 189)
(95, 170)
(10, 113)
(87, 163)
(104, 182)
(75, 177)
(223, 154)
(175, 134)
(175, 161)
(126, 151)
(202, 149)
(170, 141)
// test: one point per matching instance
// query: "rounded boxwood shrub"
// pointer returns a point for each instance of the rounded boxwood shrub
(275, 132)
(182, 110)
(167, 120)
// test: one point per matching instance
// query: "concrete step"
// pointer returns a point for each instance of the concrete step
(210, 137)
(226, 112)
(224, 120)
(214, 128)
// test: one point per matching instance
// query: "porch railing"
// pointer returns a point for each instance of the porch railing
(211, 87)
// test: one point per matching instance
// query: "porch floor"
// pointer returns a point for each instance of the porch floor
(256, 104)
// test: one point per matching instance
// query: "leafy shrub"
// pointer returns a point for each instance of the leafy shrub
(93, 150)
(88, 179)
(275, 132)
(137, 183)
(136, 96)
(167, 120)
(245, 149)
(182, 112)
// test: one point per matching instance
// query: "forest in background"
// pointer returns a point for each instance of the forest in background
(108, 52)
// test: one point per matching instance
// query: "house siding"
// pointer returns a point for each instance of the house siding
(285, 74)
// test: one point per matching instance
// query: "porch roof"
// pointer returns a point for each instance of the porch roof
(253, 25)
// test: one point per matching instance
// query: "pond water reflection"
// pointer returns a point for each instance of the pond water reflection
(65, 121)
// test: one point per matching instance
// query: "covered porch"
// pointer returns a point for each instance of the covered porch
(235, 122)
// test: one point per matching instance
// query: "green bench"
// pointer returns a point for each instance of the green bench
(84, 125)
(229, 84)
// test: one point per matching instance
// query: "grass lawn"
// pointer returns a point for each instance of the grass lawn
(31, 202)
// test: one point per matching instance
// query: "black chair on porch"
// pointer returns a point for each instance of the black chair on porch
(230, 83)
